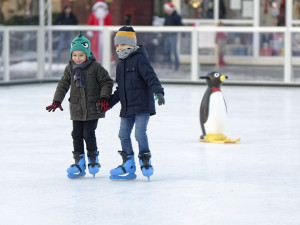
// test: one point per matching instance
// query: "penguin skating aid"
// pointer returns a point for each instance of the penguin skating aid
(213, 111)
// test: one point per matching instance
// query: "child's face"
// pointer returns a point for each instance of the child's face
(122, 46)
(78, 56)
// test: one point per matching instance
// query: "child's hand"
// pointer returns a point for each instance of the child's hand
(160, 97)
(102, 104)
(54, 106)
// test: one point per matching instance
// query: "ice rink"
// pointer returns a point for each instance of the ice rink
(253, 182)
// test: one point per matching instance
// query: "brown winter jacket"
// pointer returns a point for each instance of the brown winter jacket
(83, 100)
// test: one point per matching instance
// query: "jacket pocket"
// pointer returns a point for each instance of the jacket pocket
(131, 73)
(91, 104)
(130, 69)
(75, 108)
(73, 99)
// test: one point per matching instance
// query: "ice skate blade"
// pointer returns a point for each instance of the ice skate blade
(147, 172)
(93, 171)
(130, 176)
(75, 176)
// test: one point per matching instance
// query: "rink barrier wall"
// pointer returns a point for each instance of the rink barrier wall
(171, 82)
(43, 31)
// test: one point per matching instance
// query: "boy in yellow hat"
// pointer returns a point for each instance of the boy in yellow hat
(137, 85)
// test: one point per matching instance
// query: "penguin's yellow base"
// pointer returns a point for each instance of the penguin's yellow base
(218, 138)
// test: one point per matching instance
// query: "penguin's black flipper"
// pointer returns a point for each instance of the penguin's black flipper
(204, 109)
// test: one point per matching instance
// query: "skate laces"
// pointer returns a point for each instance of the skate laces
(125, 157)
(92, 156)
(145, 157)
(77, 156)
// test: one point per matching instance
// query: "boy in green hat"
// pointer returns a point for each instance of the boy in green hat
(91, 88)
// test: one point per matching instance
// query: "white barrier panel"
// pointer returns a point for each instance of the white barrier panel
(44, 54)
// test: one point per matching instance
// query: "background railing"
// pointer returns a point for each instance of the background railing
(28, 53)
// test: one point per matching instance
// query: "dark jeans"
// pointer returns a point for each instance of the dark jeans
(84, 130)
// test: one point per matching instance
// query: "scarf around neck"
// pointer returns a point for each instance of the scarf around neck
(122, 54)
(77, 71)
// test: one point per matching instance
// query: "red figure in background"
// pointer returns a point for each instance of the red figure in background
(100, 16)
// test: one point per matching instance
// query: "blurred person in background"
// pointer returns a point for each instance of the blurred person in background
(281, 16)
(221, 41)
(172, 18)
(65, 37)
(100, 16)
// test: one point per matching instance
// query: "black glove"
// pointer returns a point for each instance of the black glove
(102, 105)
(160, 97)
(54, 106)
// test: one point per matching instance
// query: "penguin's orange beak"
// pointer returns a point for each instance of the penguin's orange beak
(223, 77)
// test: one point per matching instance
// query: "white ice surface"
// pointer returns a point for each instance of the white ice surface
(253, 182)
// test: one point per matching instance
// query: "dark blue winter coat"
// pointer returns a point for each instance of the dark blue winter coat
(173, 20)
(137, 84)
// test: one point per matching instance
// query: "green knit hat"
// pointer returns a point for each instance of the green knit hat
(81, 43)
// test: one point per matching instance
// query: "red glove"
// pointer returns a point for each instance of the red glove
(103, 104)
(54, 106)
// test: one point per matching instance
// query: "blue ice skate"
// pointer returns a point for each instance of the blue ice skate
(77, 169)
(145, 163)
(126, 171)
(94, 165)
